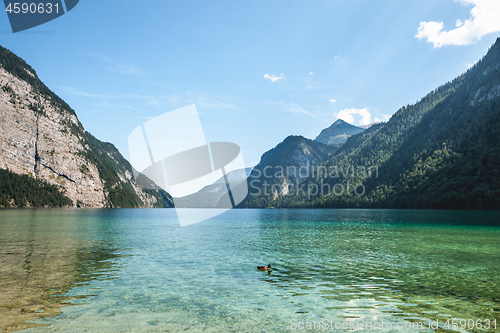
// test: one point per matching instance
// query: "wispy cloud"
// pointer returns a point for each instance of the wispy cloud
(337, 57)
(363, 115)
(333, 101)
(310, 73)
(287, 107)
(274, 78)
(484, 19)
(80, 92)
(205, 100)
(154, 103)
(295, 108)
(145, 117)
(118, 67)
(315, 87)
(215, 104)
(125, 69)
(181, 99)
(104, 104)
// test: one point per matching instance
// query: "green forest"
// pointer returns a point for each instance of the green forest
(25, 191)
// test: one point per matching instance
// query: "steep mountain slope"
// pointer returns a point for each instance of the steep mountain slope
(442, 152)
(285, 165)
(337, 133)
(295, 151)
(41, 137)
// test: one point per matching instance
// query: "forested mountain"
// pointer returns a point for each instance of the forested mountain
(46, 156)
(337, 133)
(442, 152)
(295, 151)
(286, 164)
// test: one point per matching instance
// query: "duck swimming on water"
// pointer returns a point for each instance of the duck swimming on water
(264, 268)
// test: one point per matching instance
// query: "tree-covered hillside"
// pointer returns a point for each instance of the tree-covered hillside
(25, 191)
(442, 152)
(111, 164)
(287, 163)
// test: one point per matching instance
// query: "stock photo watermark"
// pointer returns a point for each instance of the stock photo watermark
(170, 152)
(359, 324)
(329, 180)
(370, 326)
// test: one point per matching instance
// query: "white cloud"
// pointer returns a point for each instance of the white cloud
(333, 101)
(337, 57)
(387, 116)
(310, 73)
(469, 65)
(484, 19)
(348, 115)
(274, 78)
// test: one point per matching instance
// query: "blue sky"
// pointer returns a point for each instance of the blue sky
(257, 71)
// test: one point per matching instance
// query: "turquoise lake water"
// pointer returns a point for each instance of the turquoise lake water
(137, 270)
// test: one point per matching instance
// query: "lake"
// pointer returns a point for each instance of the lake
(137, 270)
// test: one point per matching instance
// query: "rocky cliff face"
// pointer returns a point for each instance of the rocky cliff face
(295, 153)
(40, 136)
(35, 139)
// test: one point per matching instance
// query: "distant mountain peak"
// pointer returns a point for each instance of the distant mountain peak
(337, 133)
(342, 121)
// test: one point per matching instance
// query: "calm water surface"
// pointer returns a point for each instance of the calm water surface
(137, 270)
